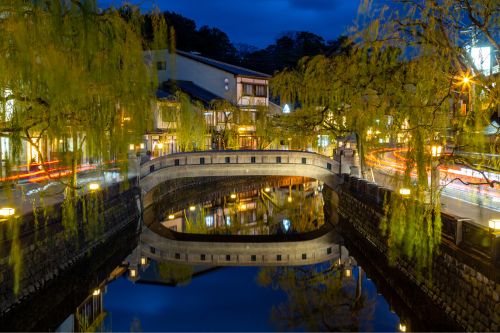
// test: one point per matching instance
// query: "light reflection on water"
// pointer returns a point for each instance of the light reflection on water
(263, 211)
(335, 295)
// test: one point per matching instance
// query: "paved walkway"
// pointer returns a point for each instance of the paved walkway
(480, 215)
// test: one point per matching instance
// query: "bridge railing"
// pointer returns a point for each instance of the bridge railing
(238, 157)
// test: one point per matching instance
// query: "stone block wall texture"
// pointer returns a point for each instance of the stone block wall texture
(464, 284)
(35, 251)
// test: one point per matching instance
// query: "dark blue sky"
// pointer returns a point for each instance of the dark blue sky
(259, 22)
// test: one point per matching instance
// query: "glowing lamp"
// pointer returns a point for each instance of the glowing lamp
(289, 199)
(404, 192)
(160, 145)
(494, 224)
(402, 327)
(144, 261)
(233, 196)
(6, 211)
(465, 80)
(131, 146)
(94, 186)
(436, 151)
(348, 273)
(243, 207)
(132, 273)
(171, 217)
(192, 208)
(96, 292)
(267, 189)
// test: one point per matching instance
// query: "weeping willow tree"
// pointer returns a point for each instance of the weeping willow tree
(405, 80)
(73, 84)
(190, 124)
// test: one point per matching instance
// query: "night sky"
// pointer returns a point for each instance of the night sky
(259, 22)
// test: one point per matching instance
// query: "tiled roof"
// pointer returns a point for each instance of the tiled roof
(224, 66)
(188, 87)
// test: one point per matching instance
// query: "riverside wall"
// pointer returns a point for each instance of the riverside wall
(35, 251)
(464, 284)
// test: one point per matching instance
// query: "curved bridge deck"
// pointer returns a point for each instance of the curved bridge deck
(240, 163)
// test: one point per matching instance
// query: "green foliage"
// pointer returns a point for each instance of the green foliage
(403, 79)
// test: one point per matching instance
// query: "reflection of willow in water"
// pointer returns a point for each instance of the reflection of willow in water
(323, 297)
(257, 212)
(175, 273)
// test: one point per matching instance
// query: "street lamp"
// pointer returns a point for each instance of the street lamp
(7, 211)
(405, 192)
(192, 208)
(94, 186)
(436, 150)
(171, 216)
(494, 224)
(96, 292)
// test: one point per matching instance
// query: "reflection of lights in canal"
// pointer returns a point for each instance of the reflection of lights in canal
(286, 224)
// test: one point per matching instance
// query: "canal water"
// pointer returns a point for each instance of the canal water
(327, 296)
(142, 294)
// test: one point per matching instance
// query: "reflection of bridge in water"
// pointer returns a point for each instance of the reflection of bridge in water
(164, 245)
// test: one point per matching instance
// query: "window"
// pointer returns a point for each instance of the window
(252, 159)
(161, 65)
(278, 257)
(329, 166)
(278, 159)
(151, 168)
(247, 89)
(202, 257)
(177, 256)
(329, 250)
(152, 249)
(260, 91)
(228, 257)
(202, 160)
(228, 159)
(304, 256)
(254, 257)
(304, 160)
(176, 162)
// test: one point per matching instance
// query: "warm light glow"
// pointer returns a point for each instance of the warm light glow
(132, 273)
(465, 80)
(494, 224)
(404, 191)
(192, 208)
(126, 119)
(159, 145)
(242, 129)
(141, 145)
(243, 207)
(94, 186)
(6, 211)
(436, 151)
(144, 261)
(289, 199)
(131, 146)
(96, 292)
(171, 216)
(402, 327)
(348, 273)
(267, 189)
(233, 196)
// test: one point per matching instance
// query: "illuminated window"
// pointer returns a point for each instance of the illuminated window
(247, 89)
(209, 221)
(260, 91)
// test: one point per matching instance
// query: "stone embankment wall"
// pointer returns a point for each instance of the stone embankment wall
(465, 274)
(33, 252)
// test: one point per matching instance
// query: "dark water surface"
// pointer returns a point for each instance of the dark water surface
(232, 299)
(142, 294)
